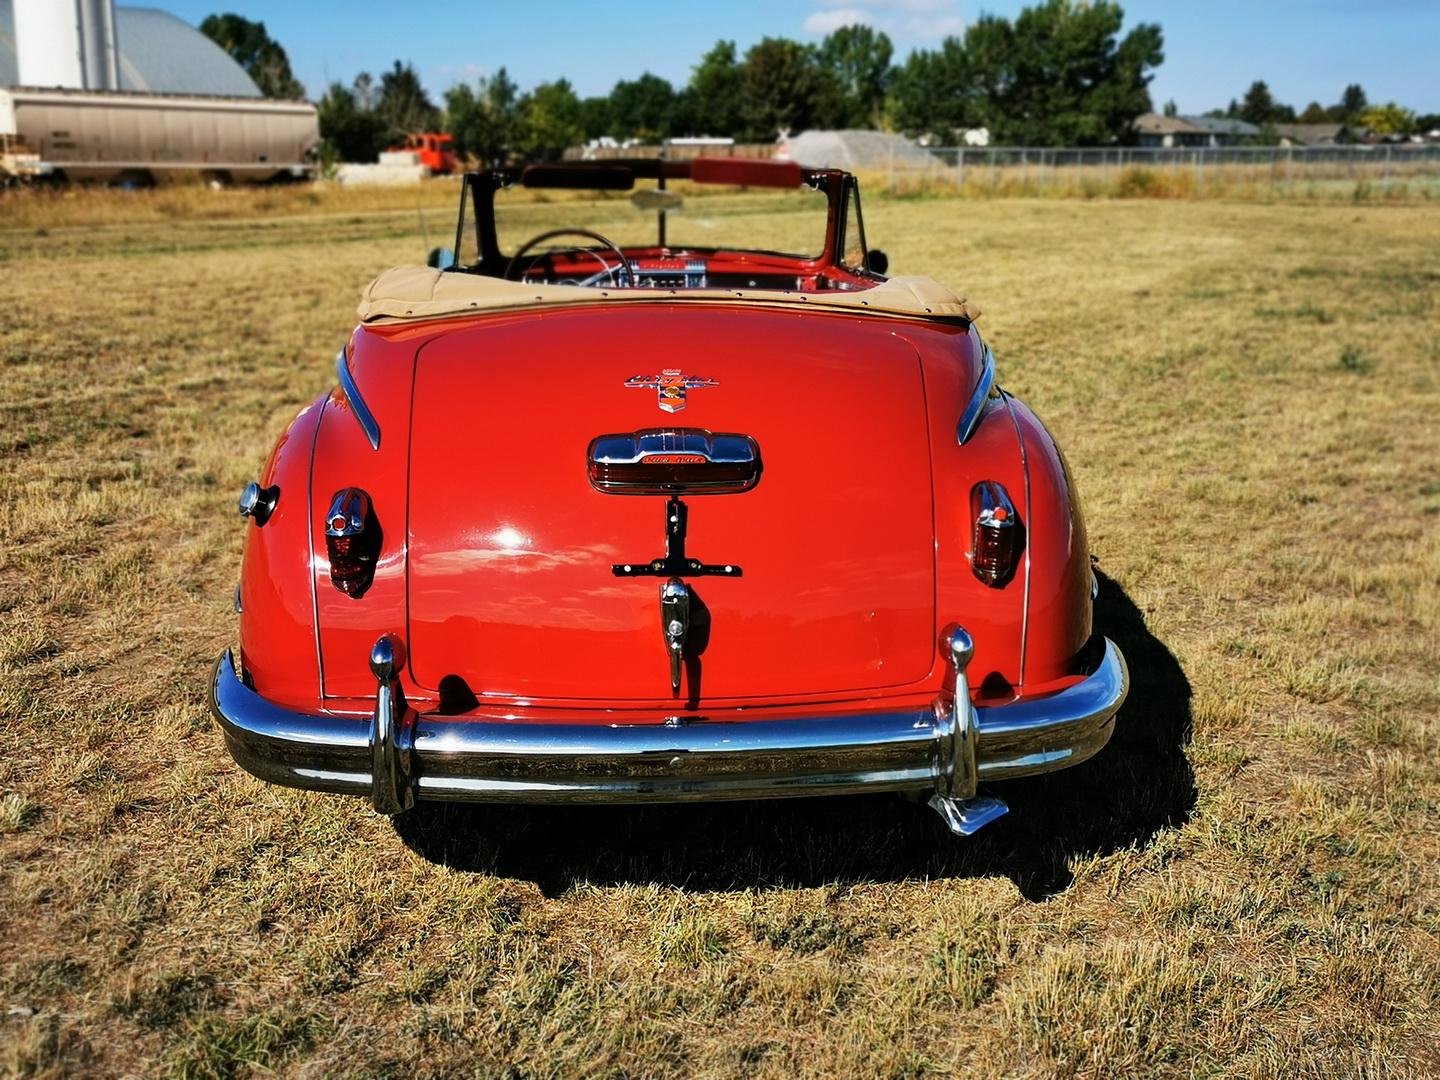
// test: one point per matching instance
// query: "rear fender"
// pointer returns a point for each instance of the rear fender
(1059, 613)
(382, 367)
(993, 616)
(277, 606)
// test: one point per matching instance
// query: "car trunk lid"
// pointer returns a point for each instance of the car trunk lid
(513, 589)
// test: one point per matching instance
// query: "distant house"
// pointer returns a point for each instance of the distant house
(1153, 129)
(1310, 134)
(1223, 131)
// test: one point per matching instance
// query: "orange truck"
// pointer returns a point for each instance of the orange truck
(436, 151)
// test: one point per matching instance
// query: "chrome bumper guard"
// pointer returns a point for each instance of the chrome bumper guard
(398, 755)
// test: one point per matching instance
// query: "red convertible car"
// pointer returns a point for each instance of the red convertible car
(619, 516)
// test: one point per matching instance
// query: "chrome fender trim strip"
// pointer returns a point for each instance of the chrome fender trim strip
(975, 408)
(357, 403)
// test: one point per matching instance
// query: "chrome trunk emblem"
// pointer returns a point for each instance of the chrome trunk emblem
(664, 461)
(670, 386)
(675, 618)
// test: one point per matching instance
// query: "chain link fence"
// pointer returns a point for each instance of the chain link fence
(1391, 169)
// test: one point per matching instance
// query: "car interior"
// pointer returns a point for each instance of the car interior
(660, 192)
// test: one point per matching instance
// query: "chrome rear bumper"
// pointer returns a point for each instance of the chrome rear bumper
(398, 755)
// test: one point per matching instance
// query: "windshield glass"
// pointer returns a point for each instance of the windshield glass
(697, 216)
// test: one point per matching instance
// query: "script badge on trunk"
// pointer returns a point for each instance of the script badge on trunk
(670, 386)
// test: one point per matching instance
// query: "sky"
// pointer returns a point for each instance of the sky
(1304, 49)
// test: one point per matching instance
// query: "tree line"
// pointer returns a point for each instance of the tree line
(1058, 74)
(1354, 111)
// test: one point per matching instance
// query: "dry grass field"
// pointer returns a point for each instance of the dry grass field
(1244, 883)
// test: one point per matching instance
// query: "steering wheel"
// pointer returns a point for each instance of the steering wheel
(603, 241)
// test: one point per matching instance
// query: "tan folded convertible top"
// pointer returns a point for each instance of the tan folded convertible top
(419, 292)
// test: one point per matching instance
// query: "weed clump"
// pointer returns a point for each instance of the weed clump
(1354, 361)
(16, 813)
(218, 1048)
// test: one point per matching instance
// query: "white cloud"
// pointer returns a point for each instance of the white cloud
(934, 27)
(906, 20)
(825, 22)
(896, 5)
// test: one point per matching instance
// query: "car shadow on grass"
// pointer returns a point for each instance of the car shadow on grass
(1138, 785)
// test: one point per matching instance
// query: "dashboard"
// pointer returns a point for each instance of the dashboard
(663, 273)
(680, 272)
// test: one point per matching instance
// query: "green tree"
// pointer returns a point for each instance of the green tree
(935, 93)
(642, 108)
(595, 116)
(1258, 104)
(914, 104)
(1059, 75)
(1314, 113)
(404, 107)
(367, 94)
(858, 58)
(713, 102)
(1353, 102)
(1171, 109)
(483, 120)
(254, 50)
(1261, 109)
(348, 131)
(551, 121)
(988, 89)
(1387, 119)
(782, 87)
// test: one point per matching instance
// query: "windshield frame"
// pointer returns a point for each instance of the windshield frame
(478, 190)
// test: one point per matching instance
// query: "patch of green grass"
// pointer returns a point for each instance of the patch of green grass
(1354, 361)
(221, 1047)
(966, 968)
(805, 931)
(26, 642)
(170, 1000)
(688, 939)
(1306, 312)
(1305, 273)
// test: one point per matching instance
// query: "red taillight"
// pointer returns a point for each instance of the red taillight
(352, 540)
(998, 536)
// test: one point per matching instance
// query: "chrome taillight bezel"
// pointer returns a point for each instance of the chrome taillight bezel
(997, 536)
(352, 541)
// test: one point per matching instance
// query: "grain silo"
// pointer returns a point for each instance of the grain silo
(94, 91)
